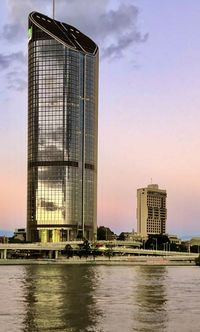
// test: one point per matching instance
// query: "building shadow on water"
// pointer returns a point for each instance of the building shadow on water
(151, 299)
(60, 298)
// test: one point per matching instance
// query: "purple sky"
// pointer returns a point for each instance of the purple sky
(149, 105)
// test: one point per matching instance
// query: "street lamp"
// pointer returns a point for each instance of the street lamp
(167, 246)
(156, 242)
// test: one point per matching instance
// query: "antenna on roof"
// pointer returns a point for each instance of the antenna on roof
(53, 9)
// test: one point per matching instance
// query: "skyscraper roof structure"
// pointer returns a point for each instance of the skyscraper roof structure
(64, 33)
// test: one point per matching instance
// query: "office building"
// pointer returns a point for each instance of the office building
(151, 210)
(62, 132)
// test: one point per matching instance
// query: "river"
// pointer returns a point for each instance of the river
(80, 298)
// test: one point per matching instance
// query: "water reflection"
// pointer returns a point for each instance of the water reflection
(132, 298)
(99, 298)
(60, 298)
(151, 299)
(115, 299)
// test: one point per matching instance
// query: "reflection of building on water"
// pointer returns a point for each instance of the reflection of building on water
(151, 297)
(60, 298)
(62, 132)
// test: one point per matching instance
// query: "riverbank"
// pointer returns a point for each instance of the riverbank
(117, 260)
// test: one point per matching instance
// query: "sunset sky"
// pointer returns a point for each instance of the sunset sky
(149, 105)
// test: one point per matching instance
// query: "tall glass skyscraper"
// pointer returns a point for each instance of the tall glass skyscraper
(62, 132)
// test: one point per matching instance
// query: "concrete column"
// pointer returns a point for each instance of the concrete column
(56, 235)
(43, 235)
(50, 254)
(2, 253)
(5, 254)
(67, 234)
(56, 254)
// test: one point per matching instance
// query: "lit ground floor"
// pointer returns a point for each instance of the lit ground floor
(55, 234)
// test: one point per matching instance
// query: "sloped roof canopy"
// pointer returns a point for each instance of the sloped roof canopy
(65, 33)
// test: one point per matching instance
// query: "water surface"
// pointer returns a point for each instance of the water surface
(103, 298)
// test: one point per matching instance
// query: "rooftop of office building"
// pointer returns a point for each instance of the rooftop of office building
(64, 33)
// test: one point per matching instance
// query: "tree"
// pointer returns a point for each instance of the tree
(157, 241)
(194, 248)
(85, 249)
(95, 252)
(183, 247)
(109, 253)
(68, 251)
(174, 247)
(14, 240)
(121, 237)
(197, 260)
(104, 233)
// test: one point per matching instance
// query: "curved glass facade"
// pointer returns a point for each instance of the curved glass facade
(62, 132)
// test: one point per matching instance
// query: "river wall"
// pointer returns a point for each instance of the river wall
(116, 260)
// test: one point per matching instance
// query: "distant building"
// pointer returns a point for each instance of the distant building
(3, 239)
(174, 239)
(195, 241)
(151, 210)
(130, 236)
(20, 234)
